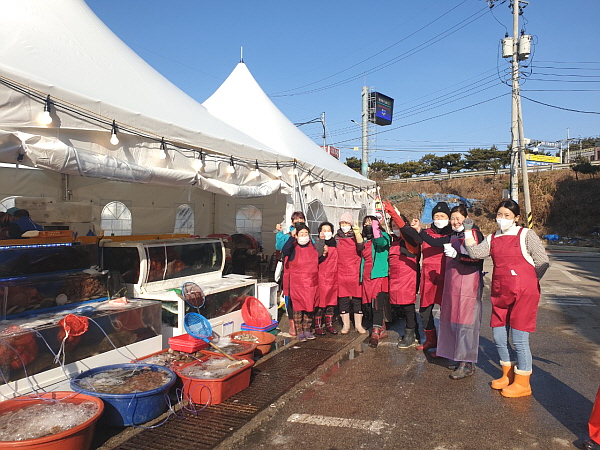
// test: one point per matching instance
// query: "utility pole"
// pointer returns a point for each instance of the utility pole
(324, 133)
(364, 167)
(528, 213)
(514, 128)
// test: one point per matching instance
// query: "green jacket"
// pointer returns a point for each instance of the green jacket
(379, 253)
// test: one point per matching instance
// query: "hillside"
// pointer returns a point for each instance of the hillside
(561, 204)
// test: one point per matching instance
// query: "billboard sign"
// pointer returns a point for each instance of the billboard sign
(382, 108)
(542, 159)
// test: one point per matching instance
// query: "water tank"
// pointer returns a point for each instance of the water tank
(507, 47)
(524, 46)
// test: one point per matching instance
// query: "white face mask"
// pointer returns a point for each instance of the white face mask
(441, 223)
(396, 232)
(505, 224)
(303, 240)
(459, 229)
(327, 235)
(345, 228)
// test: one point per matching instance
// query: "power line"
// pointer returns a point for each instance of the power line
(392, 61)
(560, 107)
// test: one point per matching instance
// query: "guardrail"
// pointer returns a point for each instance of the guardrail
(479, 173)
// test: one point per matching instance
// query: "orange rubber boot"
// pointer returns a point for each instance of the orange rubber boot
(520, 387)
(508, 375)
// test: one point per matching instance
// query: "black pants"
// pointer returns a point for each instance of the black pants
(427, 317)
(350, 304)
(409, 313)
(379, 303)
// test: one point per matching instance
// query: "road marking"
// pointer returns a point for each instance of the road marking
(581, 301)
(374, 426)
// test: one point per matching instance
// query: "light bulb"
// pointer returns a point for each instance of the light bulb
(278, 174)
(114, 140)
(198, 164)
(163, 147)
(162, 154)
(320, 185)
(310, 177)
(46, 118)
(256, 173)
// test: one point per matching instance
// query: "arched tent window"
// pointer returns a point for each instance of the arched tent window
(248, 220)
(362, 214)
(116, 219)
(7, 202)
(315, 214)
(184, 220)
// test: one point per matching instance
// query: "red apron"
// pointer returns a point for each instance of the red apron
(328, 279)
(402, 276)
(594, 423)
(460, 317)
(371, 286)
(515, 291)
(432, 272)
(348, 269)
(303, 277)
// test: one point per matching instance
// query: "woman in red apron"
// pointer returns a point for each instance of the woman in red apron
(302, 279)
(432, 273)
(403, 275)
(374, 275)
(460, 317)
(520, 260)
(349, 246)
(328, 281)
(594, 426)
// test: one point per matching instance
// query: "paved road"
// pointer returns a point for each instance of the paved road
(387, 398)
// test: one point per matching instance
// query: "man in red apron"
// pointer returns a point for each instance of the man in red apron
(432, 273)
(594, 426)
(520, 260)
(328, 280)
(349, 244)
(302, 279)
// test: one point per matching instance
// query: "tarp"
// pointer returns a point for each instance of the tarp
(430, 200)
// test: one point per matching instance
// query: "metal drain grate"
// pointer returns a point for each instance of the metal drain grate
(270, 380)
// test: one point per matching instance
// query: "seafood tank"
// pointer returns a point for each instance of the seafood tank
(54, 299)
(157, 269)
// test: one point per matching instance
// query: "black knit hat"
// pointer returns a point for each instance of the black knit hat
(441, 207)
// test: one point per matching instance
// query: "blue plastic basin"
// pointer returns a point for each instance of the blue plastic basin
(122, 410)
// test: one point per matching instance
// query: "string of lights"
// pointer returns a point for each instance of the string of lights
(197, 156)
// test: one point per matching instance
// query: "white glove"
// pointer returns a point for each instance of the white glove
(450, 251)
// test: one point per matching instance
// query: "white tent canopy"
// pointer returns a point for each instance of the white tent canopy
(63, 50)
(242, 103)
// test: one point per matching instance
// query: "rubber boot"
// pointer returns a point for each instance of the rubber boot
(508, 375)
(374, 341)
(430, 340)
(520, 387)
(329, 324)
(464, 370)
(346, 321)
(292, 330)
(319, 329)
(306, 323)
(383, 333)
(358, 323)
(590, 445)
(408, 340)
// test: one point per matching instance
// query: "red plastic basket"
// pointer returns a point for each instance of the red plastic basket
(215, 390)
(186, 343)
(255, 314)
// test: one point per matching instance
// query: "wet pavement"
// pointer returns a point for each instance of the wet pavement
(386, 398)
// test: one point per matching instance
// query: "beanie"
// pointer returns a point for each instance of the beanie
(441, 207)
(347, 217)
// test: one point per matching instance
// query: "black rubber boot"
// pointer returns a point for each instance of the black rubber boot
(408, 340)
(464, 369)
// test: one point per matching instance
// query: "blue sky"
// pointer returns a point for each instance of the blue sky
(438, 59)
